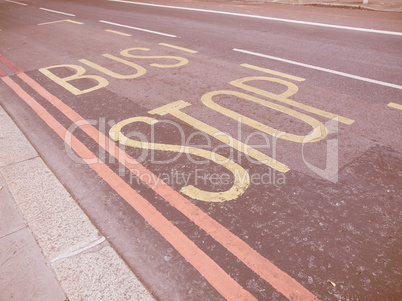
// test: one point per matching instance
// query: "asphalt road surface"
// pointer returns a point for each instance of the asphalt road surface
(226, 151)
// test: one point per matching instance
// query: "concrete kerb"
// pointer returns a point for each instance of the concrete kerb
(43, 254)
(375, 5)
(355, 6)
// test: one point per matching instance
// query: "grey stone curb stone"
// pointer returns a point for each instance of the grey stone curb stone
(49, 249)
(377, 5)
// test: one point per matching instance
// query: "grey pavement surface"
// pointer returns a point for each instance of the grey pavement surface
(49, 249)
(380, 5)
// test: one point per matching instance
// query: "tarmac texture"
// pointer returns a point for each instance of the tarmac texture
(49, 248)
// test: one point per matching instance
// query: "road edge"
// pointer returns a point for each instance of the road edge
(81, 264)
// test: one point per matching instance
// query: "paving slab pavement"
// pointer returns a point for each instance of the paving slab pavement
(49, 249)
(379, 5)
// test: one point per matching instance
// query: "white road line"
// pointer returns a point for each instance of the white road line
(16, 2)
(57, 12)
(373, 81)
(265, 18)
(140, 29)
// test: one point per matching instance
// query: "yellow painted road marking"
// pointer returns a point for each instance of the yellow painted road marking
(292, 89)
(139, 70)
(102, 82)
(241, 176)
(395, 105)
(318, 133)
(80, 71)
(178, 48)
(182, 61)
(118, 32)
(71, 21)
(205, 265)
(226, 286)
(174, 110)
(266, 70)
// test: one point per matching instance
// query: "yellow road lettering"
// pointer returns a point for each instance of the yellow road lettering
(283, 97)
(318, 133)
(140, 70)
(80, 71)
(174, 109)
(181, 60)
(241, 176)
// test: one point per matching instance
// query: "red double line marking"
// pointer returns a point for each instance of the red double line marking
(211, 271)
(10, 65)
(3, 72)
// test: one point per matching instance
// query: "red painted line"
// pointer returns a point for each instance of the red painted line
(280, 280)
(210, 270)
(3, 72)
(10, 65)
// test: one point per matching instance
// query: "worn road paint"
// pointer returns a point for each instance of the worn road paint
(273, 72)
(395, 105)
(3, 72)
(10, 65)
(178, 48)
(118, 32)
